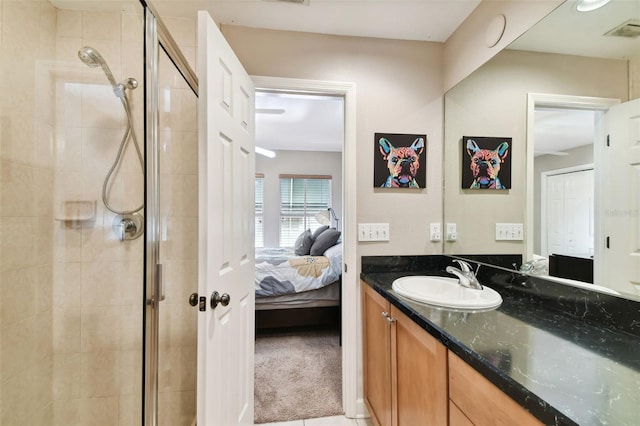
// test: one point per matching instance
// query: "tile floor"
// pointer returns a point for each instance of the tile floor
(324, 421)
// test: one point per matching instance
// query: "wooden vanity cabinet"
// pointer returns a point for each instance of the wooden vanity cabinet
(474, 400)
(405, 368)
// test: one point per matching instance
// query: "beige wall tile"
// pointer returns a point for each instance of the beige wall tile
(101, 25)
(130, 410)
(69, 23)
(66, 412)
(130, 372)
(67, 287)
(16, 243)
(100, 329)
(17, 195)
(18, 346)
(66, 330)
(66, 376)
(18, 296)
(101, 283)
(99, 375)
(99, 411)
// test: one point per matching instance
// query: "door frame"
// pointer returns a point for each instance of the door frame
(570, 102)
(349, 280)
(544, 182)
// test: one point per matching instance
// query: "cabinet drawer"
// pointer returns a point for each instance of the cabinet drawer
(481, 401)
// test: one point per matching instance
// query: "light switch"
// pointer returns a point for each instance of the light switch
(509, 232)
(373, 232)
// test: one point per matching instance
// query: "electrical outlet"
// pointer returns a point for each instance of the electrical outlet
(373, 232)
(435, 232)
(452, 234)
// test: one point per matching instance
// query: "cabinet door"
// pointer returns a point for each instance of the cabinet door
(376, 353)
(420, 381)
(457, 417)
(481, 401)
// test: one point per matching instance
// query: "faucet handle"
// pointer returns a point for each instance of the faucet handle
(463, 265)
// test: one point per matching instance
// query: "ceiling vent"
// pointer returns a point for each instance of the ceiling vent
(630, 29)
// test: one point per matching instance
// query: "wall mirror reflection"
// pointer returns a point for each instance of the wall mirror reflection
(567, 93)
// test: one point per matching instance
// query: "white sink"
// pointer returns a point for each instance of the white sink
(446, 292)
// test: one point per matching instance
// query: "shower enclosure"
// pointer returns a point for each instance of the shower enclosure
(98, 215)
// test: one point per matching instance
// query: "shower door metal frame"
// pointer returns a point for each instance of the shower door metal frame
(156, 36)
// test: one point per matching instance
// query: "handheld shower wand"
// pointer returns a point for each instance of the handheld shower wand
(128, 224)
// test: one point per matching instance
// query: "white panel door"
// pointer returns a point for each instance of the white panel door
(622, 198)
(578, 212)
(226, 257)
(555, 215)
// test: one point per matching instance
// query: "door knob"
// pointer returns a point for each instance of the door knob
(193, 299)
(216, 298)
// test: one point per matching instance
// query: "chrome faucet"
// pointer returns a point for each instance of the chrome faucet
(465, 275)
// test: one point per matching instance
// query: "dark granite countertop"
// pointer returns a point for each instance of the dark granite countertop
(567, 355)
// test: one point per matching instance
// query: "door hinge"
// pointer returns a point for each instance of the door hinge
(607, 243)
(608, 140)
(345, 268)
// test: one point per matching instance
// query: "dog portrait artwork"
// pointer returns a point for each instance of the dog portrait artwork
(487, 164)
(401, 161)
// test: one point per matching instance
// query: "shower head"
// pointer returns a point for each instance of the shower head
(92, 58)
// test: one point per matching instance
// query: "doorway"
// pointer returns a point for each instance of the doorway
(349, 294)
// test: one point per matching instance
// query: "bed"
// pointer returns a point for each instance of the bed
(297, 291)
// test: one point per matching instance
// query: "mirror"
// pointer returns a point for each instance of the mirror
(565, 67)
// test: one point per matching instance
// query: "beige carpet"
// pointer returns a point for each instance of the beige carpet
(298, 376)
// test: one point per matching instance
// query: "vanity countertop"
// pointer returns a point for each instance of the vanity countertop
(563, 368)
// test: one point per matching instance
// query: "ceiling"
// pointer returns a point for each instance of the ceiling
(427, 20)
(286, 121)
(558, 130)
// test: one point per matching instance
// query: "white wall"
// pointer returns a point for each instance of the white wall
(399, 90)
(492, 102)
(296, 162)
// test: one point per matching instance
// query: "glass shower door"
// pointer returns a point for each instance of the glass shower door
(178, 249)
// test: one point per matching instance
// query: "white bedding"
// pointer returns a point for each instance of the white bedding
(279, 271)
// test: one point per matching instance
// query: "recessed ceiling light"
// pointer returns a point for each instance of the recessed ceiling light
(589, 5)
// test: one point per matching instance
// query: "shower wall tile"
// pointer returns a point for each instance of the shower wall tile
(68, 242)
(18, 294)
(16, 197)
(67, 54)
(130, 372)
(99, 411)
(180, 152)
(67, 286)
(101, 110)
(100, 329)
(99, 375)
(101, 282)
(69, 23)
(102, 26)
(43, 193)
(66, 376)
(68, 150)
(18, 351)
(66, 330)
(130, 409)
(66, 412)
(130, 325)
(44, 292)
(181, 232)
(16, 243)
(179, 195)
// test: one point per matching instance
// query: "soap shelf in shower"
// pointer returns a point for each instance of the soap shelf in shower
(77, 210)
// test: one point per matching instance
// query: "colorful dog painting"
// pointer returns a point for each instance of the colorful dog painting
(402, 162)
(485, 163)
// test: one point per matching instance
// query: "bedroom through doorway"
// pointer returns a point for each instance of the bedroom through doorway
(299, 262)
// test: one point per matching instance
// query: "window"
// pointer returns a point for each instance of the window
(301, 197)
(259, 207)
